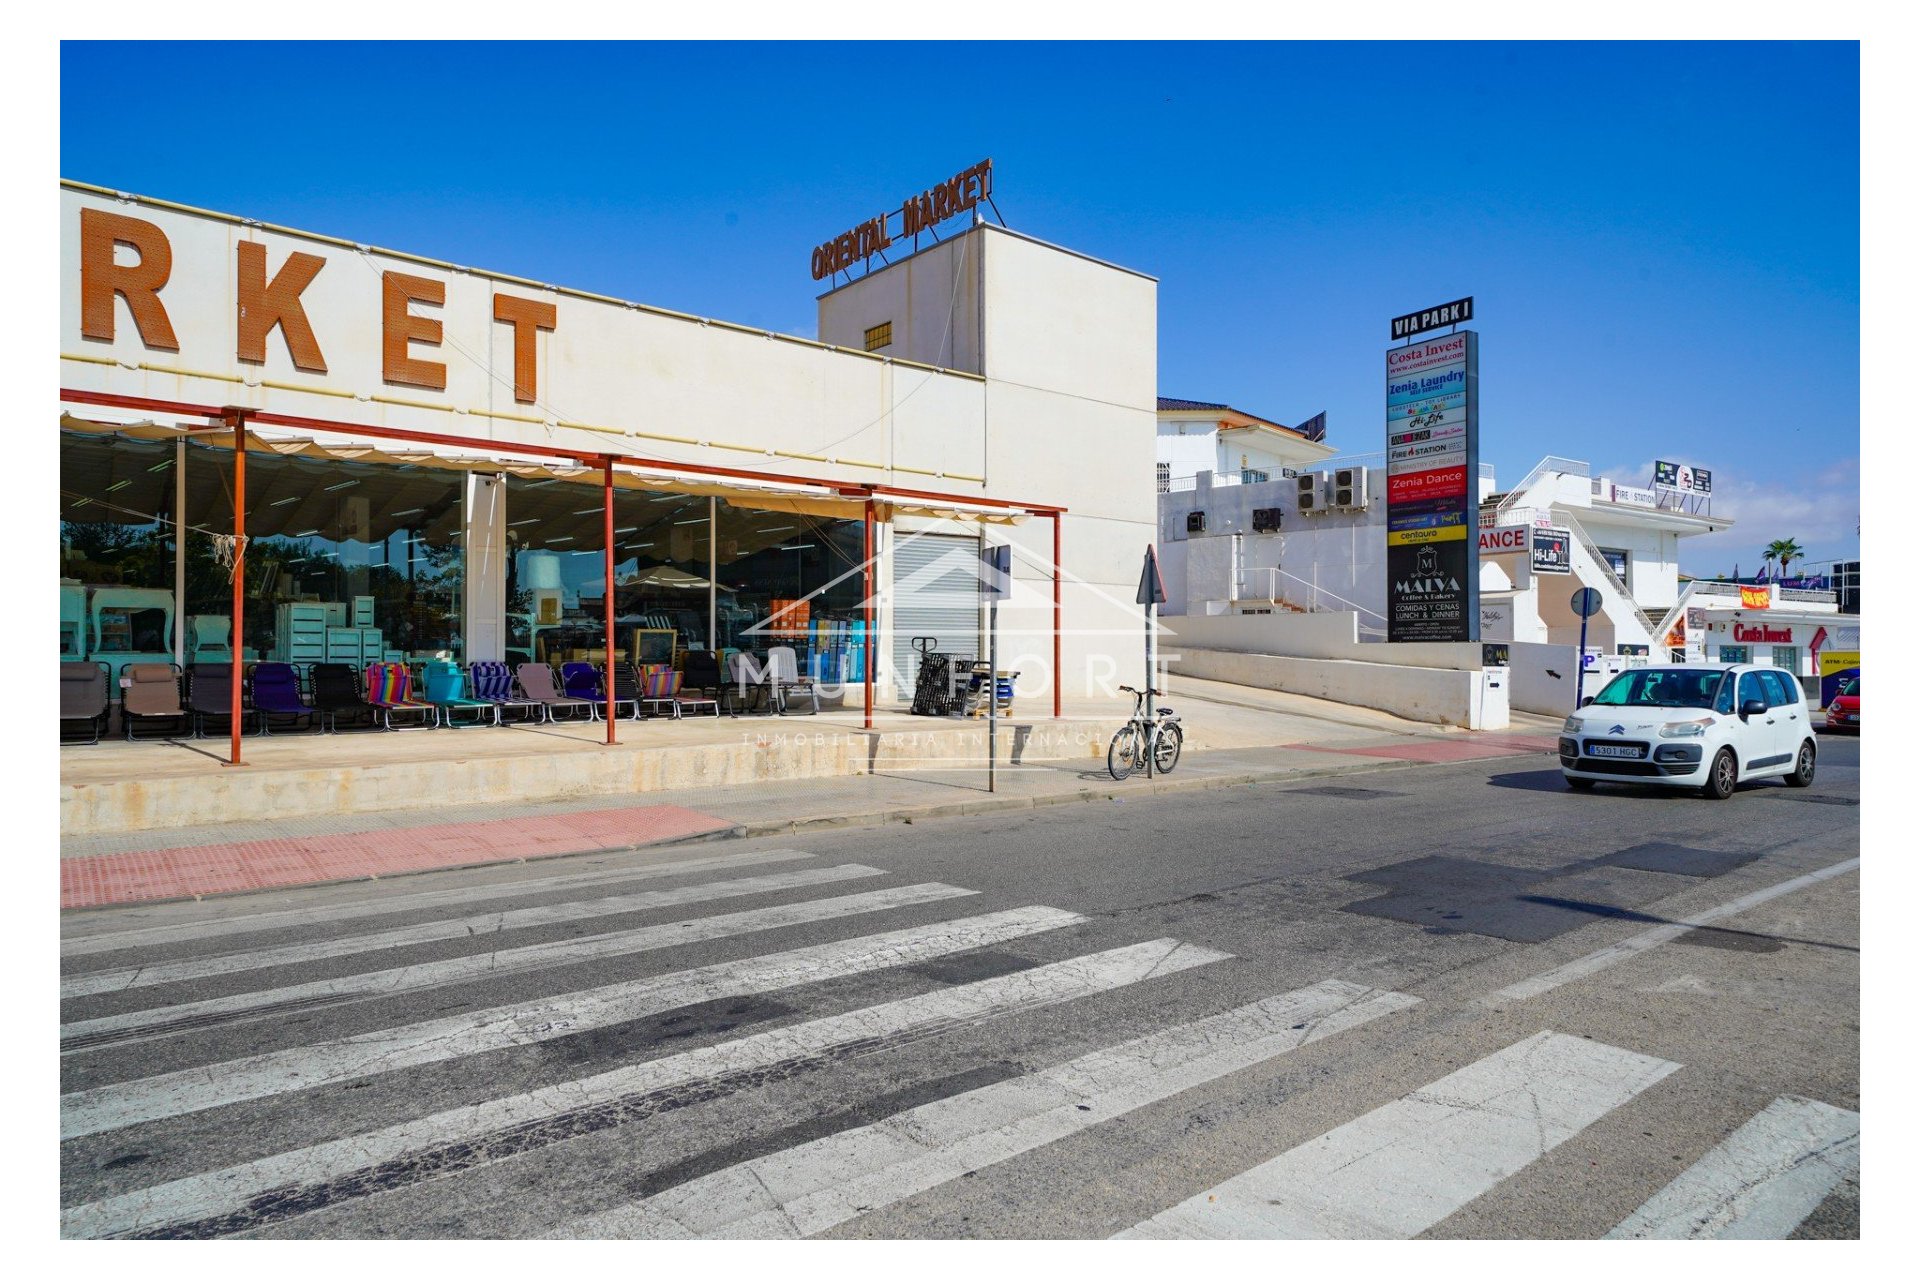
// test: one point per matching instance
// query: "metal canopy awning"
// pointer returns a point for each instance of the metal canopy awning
(795, 499)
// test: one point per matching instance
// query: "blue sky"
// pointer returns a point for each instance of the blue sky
(1662, 240)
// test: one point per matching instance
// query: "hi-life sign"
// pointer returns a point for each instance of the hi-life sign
(1433, 455)
(918, 213)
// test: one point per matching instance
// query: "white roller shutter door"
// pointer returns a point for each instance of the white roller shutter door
(936, 592)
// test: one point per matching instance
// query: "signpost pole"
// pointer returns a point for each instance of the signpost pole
(996, 566)
(1151, 592)
(1580, 667)
(1147, 738)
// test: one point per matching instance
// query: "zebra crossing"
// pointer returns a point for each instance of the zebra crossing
(234, 1013)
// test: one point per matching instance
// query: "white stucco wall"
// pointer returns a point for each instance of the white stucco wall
(1063, 416)
(932, 299)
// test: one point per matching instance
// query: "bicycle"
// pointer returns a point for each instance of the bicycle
(1127, 754)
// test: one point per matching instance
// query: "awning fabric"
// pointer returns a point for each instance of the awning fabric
(740, 493)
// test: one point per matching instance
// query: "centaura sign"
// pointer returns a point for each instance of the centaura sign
(918, 213)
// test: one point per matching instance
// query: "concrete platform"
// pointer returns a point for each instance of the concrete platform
(119, 787)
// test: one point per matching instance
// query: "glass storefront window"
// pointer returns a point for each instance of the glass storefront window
(348, 562)
(360, 562)
(116, 549)
(762, 561)
(795, 581)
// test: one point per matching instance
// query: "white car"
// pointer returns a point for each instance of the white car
(1709, 727)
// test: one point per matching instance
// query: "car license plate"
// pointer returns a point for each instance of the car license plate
(1611, 749)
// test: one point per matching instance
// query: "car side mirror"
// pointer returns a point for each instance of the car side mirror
(1586, 702)
(1752, 707)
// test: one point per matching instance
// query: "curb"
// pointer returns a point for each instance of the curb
(996, 804)
(734, 832)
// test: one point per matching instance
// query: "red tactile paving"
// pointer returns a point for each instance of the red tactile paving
(195, 871)
(1447, 750)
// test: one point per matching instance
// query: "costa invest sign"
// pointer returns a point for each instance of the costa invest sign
(1457, 312)
(918, 213)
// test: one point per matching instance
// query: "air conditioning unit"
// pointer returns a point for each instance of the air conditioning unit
(1311, 486)
(1266, 519)
(1196, 522)
(1350, 488)
(1288, 473)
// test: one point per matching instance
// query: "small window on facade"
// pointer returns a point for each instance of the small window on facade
(1787, 658)
(881, 335)
(1163, 476)
(1616, 560)
(1732, 653)
(1251, 475)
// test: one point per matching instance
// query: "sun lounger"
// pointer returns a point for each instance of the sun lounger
(581, 680)
(152, 693)
(493, 682)
(275, 687)
(83, 698)
(210, 696)
(537, 683)
(446, 688)
(390, 691)
(338, 690)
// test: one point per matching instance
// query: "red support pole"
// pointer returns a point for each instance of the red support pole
(238, 645)
(608, 530)
(866, 560)
(1059, 676)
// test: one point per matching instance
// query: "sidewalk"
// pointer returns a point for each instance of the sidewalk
(194, 862)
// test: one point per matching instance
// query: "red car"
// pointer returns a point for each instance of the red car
(1844, 711)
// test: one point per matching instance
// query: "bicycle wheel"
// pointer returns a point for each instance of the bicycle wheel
(1124, 753)
(1166, 747)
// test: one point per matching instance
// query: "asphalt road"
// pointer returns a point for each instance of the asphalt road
(1447, 1001)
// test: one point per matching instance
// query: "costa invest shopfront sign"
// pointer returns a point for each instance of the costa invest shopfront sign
(918, 213)
(1433, 454)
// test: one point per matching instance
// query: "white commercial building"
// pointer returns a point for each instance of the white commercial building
(1256, 551)
(1233, 446)
(435, 452)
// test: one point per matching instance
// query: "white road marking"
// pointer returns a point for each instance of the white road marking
(1760, 1183)
(152, 975)
(194, 1089)
(809, 1188)
(232, 1190)
(170, 1019)
(261, 921)
(1400, 1169)
(1607, 957)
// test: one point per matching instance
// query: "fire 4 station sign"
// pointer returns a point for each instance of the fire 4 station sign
(1433, 454)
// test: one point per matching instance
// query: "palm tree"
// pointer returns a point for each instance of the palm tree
(1784, 551)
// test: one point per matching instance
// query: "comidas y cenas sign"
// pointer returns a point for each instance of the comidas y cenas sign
(1433, 454)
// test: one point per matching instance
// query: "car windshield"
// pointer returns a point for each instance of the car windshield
(1660, 688)
(1852, 690)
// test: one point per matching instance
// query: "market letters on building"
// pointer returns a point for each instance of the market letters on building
(129, 260)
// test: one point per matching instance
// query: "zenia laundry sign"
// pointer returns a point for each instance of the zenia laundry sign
(1433, 454)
